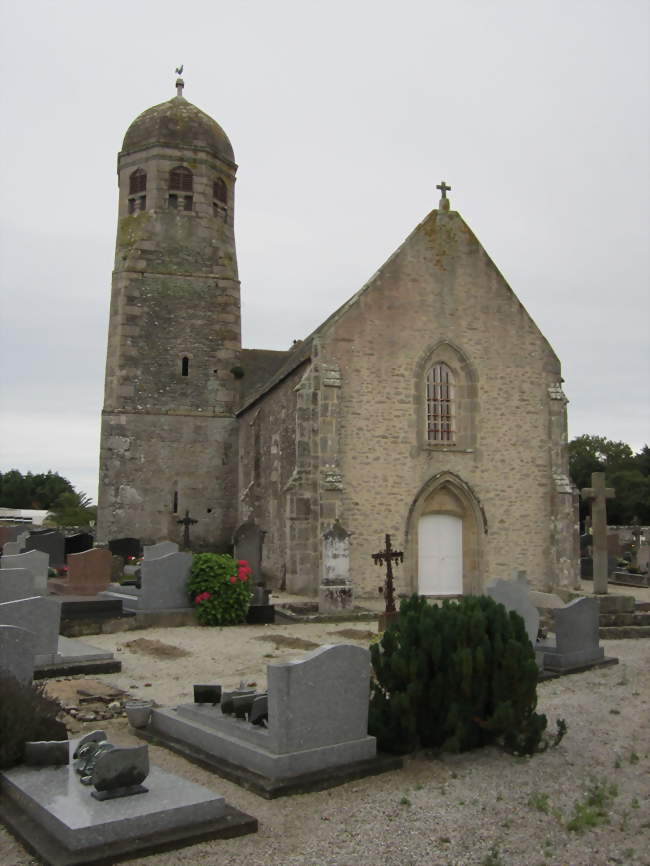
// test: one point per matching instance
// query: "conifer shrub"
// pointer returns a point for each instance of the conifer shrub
(455, 677)
(219, 588)
(26, 714)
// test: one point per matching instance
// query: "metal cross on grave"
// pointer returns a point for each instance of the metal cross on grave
(597, 496)
(386, 557)
(187, 521)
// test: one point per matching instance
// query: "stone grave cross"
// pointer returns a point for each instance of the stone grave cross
(444, 189)
(597, 495)
(187, 521)
(387, 556)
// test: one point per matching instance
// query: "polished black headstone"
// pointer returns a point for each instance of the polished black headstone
(207, 694)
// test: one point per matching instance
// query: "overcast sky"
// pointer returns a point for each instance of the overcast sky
(344, 115)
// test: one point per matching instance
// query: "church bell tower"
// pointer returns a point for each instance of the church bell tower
(168, 440)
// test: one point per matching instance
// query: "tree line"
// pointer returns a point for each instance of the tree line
(47, 491)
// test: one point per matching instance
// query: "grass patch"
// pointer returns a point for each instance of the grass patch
(539, 802)
(593, 810)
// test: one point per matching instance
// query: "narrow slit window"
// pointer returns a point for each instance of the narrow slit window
(187, 202)
(131, 205)
(142, 202)
(220, 191)
(175, 502)
(173, 201)
(185, 366)
(440, 404)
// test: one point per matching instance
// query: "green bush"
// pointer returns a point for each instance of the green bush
(455, 677)
(26, 714)
(219, 588)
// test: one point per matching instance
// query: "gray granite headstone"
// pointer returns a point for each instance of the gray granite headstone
(42, 617)
(11, 548)
(162, 548)
(163, 584)
(248, 540)
(576, 635)
(52, 543)
(16, 583)
(17, 652)
(321, 699)
(36, 561)
(514, 595)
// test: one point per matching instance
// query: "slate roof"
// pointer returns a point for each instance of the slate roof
(177, 123)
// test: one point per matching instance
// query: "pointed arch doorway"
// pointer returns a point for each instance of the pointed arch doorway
(445, 538)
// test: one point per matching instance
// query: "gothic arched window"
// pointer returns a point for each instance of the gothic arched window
(137, 190)
(440, 404)
(181, 180)
(185, 366)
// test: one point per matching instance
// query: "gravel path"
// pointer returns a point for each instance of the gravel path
(485, 807)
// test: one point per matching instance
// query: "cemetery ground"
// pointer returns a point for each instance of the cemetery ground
(584, 803)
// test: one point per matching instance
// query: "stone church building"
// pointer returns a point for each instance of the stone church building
(429, 406)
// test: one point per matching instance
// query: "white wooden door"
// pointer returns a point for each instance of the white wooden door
(440, 555)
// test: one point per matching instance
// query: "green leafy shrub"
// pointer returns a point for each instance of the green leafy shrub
(219, 588)
(455, 677)
(26, 714)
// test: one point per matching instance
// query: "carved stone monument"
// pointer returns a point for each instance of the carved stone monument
(335, 592)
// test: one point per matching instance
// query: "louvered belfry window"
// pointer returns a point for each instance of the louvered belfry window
(440, 404)
(137, 181)
(181, 178)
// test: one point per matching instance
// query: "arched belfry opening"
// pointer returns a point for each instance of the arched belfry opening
(445, 532)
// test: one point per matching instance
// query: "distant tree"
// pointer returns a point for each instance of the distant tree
(32, 491)
(73, 509)
(628, 473)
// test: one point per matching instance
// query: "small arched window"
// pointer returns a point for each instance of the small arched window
(440, 404)
(185, 366)
(137, 181)
(137, 190)
(182, 180)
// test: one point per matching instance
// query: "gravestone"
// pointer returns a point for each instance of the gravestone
(125, 547)
(78, 543)
(9, 533)
(55, 815)
(52, 543)
(597, 496)
(317, 719)
(163, 585)
(514, 595)
(36, 561)
(88, 573)
(335, 592)
(248, 540)
(16, 583)
(17, 652)
(162, 548)
(42, 617)
(576, 636)
(11, 548)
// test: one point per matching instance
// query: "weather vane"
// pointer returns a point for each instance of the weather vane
(179, 69)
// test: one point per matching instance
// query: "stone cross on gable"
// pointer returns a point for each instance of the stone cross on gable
(444, 201)
(597, 496)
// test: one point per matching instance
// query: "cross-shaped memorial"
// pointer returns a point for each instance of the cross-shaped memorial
(597, 496)
(387, 556)
(187, 521)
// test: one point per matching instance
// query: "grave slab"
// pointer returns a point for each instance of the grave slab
(162, 548)
(17, 652)
(16, 583)
(56, 817)
(163, 585)
(576, 637)
(36, 561)
(40, 616)
(317, 725)
(514, 595)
